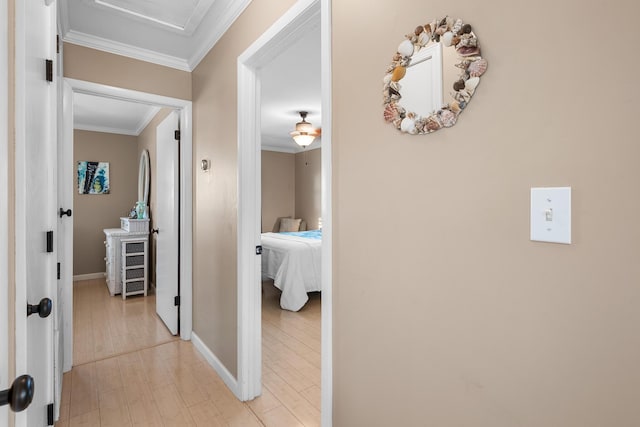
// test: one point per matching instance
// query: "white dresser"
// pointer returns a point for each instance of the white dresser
(113, 260)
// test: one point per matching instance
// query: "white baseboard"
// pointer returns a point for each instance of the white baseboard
(89, 276)
(216, 364)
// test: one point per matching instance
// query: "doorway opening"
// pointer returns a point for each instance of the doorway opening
(184, 202)
(284, 33)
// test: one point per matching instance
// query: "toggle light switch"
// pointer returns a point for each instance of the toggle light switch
(551, 214)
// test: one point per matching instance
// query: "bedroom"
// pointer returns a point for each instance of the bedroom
(290, 172)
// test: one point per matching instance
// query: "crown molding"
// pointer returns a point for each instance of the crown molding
(140, 127)
(122, 49)
(147, 119)
(231, 10)
(225, 19)
(196, 17)
(104, 129)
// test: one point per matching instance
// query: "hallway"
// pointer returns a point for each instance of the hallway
(134, 373)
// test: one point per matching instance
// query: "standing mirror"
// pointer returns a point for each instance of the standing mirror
(143, 178)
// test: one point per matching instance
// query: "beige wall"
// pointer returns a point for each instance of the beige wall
(93, 213)
(215, 192)
(147, 141)
(308, 187)
(457, 319)
(83, 63)
(278, 187)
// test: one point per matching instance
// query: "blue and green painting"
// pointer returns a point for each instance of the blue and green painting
(93, 177)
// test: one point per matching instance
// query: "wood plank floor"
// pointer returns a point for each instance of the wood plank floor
(135, 373)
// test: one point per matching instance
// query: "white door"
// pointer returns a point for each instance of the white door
(63, 315)
(36, 198)
(166, 221)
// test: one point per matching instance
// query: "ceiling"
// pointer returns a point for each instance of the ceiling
(178, 34)
(102, 114)
(174, 33)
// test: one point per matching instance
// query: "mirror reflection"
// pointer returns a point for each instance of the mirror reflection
(143, 185)
(432, 76)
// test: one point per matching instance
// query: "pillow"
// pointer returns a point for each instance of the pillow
(276, 225)
(289, 224)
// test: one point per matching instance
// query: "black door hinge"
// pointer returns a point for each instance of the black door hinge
(176, 135)
(49, 241)
(258, 250)
(49, 69)
(57, 43)
(176, 300)
(50, 414)
(58, 271)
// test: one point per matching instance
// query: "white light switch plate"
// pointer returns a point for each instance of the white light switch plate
(551, 214)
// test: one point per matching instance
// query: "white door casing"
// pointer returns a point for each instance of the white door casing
(275, 40)
(5, 380)
(166, 221)
(66, 183)
(186, 234)
(35, 201)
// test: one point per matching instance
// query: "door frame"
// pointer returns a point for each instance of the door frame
(186, 190)
(4, 208)
(21, 165)
(282, 34)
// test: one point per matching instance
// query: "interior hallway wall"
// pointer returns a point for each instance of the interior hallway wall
(309, 188)
(278, 187)
(457, 318)
(83, 63)
(92, 213)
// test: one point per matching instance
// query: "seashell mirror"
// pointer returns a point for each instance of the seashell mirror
(432, 76)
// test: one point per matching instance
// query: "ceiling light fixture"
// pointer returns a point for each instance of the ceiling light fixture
(304, 133)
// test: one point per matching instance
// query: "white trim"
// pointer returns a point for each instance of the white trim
(147, 119)
(278, 149)
(186, 186)
(282, 34)
(225, 18)
(215, 363)
(198, 13)
(66, 193)
(20, 197)
(326, 389)
(290, 150)
(106, 129)
(140, 126)
(90, 276)
(186, 221)
(4, 209)
(224, 21)
(123, 49)
(63, 16)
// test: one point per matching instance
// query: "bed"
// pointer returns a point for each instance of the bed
(292, 260)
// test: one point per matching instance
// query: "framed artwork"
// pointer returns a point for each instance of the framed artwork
(93, 177)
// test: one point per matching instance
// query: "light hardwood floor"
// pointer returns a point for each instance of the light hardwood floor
(135, 373)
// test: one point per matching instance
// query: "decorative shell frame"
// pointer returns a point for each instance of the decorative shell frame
(451, 33)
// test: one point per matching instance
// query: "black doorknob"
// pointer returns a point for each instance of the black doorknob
(43, 309)
(20, 395)
(63, 212)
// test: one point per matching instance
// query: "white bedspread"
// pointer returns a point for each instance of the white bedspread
(294, 265)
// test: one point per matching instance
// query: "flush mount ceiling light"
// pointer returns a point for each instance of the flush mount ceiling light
(304, 133)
